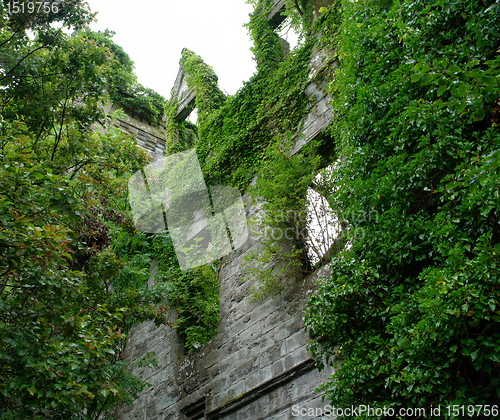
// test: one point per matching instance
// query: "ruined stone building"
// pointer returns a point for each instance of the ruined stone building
(257, 366)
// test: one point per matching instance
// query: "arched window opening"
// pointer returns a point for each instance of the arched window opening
(325, 229)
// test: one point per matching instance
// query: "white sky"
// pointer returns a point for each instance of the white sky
(154, 32)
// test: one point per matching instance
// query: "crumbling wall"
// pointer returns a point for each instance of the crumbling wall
(151, 139)
(257, 366)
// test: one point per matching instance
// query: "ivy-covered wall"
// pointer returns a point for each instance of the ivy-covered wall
(239, 342)
(411, 306)
(281, 108)
(234, 132)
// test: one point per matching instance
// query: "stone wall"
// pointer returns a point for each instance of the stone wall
(149, 138)
(257, 366)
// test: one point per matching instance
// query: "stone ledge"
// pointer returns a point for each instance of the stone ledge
(261, 390)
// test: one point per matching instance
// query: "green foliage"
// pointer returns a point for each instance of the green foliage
(209, 98)
(267, 49)
(62, 318)
(412, 307)
(281, 193)
(122, 84)
(172, 128)
(202, 79)
(42, 86)
(271, 104)
(298, 18)
(72, 279)
(233, 134)
(192, 293)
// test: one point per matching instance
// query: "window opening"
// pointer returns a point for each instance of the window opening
(325, 228)
(288, 33)
(193, 116)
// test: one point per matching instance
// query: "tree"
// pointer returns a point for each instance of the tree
(122, 85)
(72, 274)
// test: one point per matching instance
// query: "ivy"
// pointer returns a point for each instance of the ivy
(266, 108)
(193, 294)
(231, 138)
(209, 98)
(412, 307)
(280, 191)
(268, 51)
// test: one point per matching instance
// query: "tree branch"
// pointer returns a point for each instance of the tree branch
(13, 35)
(22, 59)
(301, 13)
(26, 56)
(58, 138)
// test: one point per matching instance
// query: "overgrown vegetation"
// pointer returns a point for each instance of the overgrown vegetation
(122, 85)
(73, 276)
(281, 192)
(193, 293)
(412, 309)
(234, 132)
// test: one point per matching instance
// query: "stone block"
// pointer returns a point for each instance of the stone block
(151, 410)
(275, 17)
(296, 357)
(258, 378)
(243, 370)
(278, 367)
(295, 341)
(271, 354)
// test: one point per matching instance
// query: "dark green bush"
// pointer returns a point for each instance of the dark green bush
(412, 307)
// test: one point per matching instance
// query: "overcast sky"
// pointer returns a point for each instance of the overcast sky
(154, 32)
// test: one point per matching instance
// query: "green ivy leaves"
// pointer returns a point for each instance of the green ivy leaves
(470, 88)
(412, 307)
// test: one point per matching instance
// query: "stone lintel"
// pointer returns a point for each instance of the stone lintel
(184, 96)
(185, 107)
(275, 17)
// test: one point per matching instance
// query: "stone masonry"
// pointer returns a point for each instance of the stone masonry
(149, 138)
(257, 366)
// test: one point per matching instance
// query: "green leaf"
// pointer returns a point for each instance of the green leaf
(453, 69)
(462, 90)
(32, 389)
(417, 76)
(442, 89)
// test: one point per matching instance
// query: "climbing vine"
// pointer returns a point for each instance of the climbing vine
(281, 192)
(192, 293)
(231, 148)
(209, 98)
(202, 79)
(413, 306)
(267, 49)
(238, 135)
